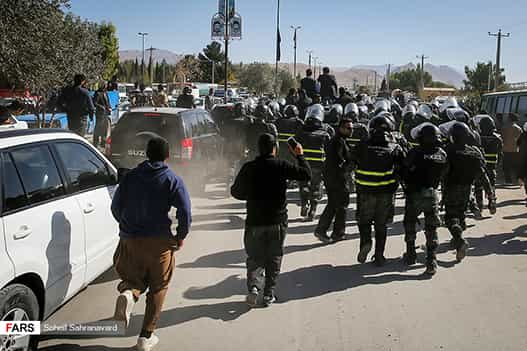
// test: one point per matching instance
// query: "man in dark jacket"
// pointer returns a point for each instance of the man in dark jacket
(335, 172)
(328, 86)
(144, 259)
(185, 100)
(78, 104)
(309, 84)
(102, 112)
(344, 98)
(263, 184)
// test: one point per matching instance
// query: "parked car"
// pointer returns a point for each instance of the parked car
(57, 233)
(195, 143)
(14, 124)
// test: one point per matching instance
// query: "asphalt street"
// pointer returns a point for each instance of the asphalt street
(326, 299)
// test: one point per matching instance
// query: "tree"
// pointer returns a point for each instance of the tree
(213, 52)
(110, 55)
(285, 81)
(188, 69)
(409, 80)
(478, 78)
(258, 77)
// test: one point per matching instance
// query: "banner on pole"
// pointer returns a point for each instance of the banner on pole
(236, 27)
(232, 7)
(217, 27)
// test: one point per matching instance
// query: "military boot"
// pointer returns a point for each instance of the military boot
(312, 210)
(380, 243)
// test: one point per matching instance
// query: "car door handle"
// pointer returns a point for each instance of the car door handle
(24, 232)
(89, 208)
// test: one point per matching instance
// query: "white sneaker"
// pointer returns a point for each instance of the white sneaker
(144, 344)
(124, 306)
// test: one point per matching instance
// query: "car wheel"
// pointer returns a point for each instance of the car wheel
(18, 303)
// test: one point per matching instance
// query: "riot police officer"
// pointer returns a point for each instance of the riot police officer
(313, 137)
(335, 171)
(378, 163)
(334, 115)
(287, 127)
(359, 134)
(186, 99)
(492, 146)
(259, 126)
(422, 172)
(465, 165)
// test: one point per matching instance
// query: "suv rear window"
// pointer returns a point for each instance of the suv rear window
(165, 125)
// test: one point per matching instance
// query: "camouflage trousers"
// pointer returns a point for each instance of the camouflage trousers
(456, 198)
(478, 188)
(375, 209)
(424, 201)
(312, 190)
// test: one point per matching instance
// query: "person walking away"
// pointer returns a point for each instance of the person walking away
(162, 97)
(144, 259)
(378, 164)
(335, 170)
(422, 172)
(292, 97)
(465, 165)
(102, 113)
(303, 104)
(309, 84)
(78, 104)
(522, 165)
(492, 146)
(510, 133)
(209, 100)
(186, 99)
(328, 86)
(259, 126)
(263, 184)
(314, 137)
(344, 98)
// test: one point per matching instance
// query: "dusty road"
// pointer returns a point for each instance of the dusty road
(327, 301)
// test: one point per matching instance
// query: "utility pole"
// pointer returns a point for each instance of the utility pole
(490, 76)
(151, 49)
(143, 34)
(226, 85)
(497, 73)
(375, 82)
(278, 44)
(310, 53)
(295, 41)
(422, 73)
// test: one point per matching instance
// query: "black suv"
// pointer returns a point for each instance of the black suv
(195, 144)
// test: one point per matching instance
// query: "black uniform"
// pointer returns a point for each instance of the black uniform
(254, 130)
(185, 101)
(360, 134)
(234, 131)
(335, 170)
(263, 184)
(314, 138)
(466, 165)
(492, 146)
(376, 177)
(422, 172)
(286, 128)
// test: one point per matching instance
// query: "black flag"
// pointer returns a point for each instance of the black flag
(278, 43)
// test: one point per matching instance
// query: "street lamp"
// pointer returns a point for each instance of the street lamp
(310, 53)
(295, 29)
(315, 66)
(143, 34)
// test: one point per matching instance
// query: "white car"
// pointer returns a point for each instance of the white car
(57, 233)
(15, 124)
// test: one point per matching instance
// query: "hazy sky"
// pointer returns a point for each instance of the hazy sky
(341, 32)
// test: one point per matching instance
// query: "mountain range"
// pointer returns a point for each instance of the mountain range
(346, 76)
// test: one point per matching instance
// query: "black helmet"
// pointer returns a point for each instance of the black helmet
(239, 109)
(487, 125)
(429, 135)
(381, 123)
(458, 114)
(335, 114)
(460, 133)
(291, 111)
(261, 112)
(187, 90)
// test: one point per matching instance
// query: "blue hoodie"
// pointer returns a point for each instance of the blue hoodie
(142, 202)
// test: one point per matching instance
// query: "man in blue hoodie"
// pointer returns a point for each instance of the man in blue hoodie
(144, 258)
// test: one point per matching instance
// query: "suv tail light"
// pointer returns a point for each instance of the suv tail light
(186, 149)
(108, 147)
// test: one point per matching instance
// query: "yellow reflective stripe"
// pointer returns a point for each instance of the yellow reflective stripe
(286, 134)
(413, 144)
(314, 151)
(314, 159)
(376, 174)
(491, 155)
(362, 182)
(282, 140)
(354, 140)
(492, 162)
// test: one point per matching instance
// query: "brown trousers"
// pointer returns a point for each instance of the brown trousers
(146, 263)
